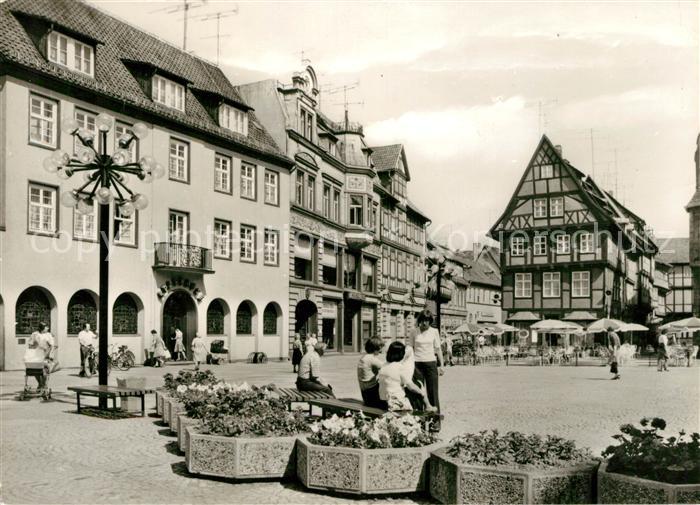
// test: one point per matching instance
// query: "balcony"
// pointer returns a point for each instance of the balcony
(357, 237)
(182, 258)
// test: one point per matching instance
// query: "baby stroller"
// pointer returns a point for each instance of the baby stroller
(36, 369)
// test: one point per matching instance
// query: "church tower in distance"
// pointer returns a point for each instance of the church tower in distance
(693, 209)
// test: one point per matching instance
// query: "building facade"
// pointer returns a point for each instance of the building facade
(678, 301)
(402, 238)
(334, 251)
(208, 254)
(570, 250)
(693, 209)
(475, 289)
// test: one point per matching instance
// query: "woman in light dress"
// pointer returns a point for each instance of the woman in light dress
(158, 349)
(199, 351)
(395, 381)
(179, 348)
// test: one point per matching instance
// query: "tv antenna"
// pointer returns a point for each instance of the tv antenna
(345, 103)
(185, 8)
(218, 15)
(542, 105)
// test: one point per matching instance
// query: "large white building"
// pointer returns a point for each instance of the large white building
(209, 253)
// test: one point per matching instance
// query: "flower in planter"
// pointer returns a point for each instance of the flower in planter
(516, 449)
(187, 377)
(245, 411)
(358, 431)
(644, 452)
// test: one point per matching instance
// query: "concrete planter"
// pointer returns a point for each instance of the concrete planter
(239, 457)
(362, 471)
(165, 413)
(182, 436)
(176, 408)
(618, 488)
(161, 394)
(454, 482)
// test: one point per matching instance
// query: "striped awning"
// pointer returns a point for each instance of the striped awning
(579, 315)
(523, 316)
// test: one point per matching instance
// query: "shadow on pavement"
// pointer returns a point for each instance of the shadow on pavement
(174, 448)
(166, 433)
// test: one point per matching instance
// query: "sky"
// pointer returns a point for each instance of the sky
(469, 88)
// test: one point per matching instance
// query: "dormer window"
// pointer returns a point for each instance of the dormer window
(70, 53)
(168, 93)
(233, 119)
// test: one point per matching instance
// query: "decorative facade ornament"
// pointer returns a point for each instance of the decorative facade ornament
(180, 283)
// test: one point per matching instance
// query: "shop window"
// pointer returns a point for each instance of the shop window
(81, 310)
(32, 309)
(215, 318)
(125, 316)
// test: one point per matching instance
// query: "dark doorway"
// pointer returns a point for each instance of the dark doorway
(179, 311)
(351, 326)
(329, 333)
(306, 317)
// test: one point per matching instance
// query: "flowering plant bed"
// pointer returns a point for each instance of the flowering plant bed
(513, 468)
(187, 377)
(355, 454)
(246, 432)
(646, 467)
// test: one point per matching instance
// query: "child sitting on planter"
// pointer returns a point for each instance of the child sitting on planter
(309, 376)
(367, 369)
(394, 382)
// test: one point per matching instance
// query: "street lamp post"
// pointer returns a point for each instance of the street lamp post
(102, 174)
(438, 269)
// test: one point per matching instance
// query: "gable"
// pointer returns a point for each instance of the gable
(547, 176)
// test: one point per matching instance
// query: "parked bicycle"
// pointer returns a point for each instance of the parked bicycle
(119, 357)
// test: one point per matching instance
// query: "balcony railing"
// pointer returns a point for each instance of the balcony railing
(182, 257)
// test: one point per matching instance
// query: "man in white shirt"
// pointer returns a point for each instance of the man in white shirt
(86, 339)
(662, 355)
(309, 376)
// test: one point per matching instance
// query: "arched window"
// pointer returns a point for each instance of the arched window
(125, 316)
(81, 310)
(244, 319)
(32, 309)
(270, 319)
(215, 318)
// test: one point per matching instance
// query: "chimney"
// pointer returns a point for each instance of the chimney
(557, 148)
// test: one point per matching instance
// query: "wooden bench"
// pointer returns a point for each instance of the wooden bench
(112, 392)
(293, 395)
(342, 405)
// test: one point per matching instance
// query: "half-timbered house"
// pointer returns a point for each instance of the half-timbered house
(569, 249)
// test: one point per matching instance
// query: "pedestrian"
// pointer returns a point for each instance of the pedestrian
(662, 350)
(86, 340)
(36, 354)
(427, 353)
(46, 341)
(309, 376)
(367, 369)
(199, 351)
(311, 340)
(614, 347)
(179, 349)
(394, 382)
(296, 353)
(447, 347)
(158, 349)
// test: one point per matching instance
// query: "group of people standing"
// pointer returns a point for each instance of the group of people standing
(404, 378)
(175, 350)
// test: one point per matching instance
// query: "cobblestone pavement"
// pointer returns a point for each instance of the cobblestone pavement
(52, 455)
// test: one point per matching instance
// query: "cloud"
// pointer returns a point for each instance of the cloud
(455, 132)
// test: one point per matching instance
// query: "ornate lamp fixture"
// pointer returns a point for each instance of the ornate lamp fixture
(439, 282)
(103, 173)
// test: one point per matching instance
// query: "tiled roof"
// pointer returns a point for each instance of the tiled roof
(118, 42)
(386, 157)
(674, 250)
(415, 209)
